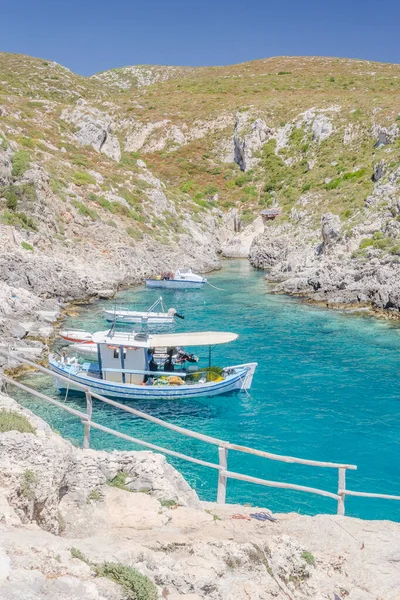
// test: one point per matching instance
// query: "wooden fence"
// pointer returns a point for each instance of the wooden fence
(223, 446)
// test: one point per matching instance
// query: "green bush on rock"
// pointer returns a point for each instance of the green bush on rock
(82, 178)
(20, 163)
(13, 421)
(135, 585)
(26, 246)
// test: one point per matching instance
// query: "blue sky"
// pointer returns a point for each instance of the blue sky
(89, 36)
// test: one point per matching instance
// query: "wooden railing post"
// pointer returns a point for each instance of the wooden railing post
(86, 426)
(341, 491)
(223, 463)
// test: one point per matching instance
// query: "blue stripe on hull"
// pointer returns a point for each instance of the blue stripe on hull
(151, 393)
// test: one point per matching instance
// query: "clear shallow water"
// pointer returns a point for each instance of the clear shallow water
(327, 388)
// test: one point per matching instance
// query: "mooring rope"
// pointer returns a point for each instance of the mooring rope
(215, 287)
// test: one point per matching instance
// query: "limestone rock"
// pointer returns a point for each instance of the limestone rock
(385, 135)
(331, 229)
(5, 165)
(246, 144)
(94, 129)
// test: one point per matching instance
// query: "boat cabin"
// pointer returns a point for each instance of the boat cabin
(125, 357)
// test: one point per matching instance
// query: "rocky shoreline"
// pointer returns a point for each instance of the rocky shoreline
(67, 514)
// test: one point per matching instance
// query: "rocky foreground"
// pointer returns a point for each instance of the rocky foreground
(81, 524)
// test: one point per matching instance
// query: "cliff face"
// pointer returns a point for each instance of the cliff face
(107, 178)
(79, 523)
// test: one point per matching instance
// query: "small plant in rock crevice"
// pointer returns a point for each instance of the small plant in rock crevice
(119, 481)
(28, 485)
(308, 557)
(95, 495)
(26, 246)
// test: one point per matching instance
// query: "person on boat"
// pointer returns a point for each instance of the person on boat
(152, 366)
(183, 356)
(169, 365)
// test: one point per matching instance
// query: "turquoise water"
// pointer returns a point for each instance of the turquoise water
(327, 388)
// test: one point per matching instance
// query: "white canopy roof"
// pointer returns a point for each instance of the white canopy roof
(200, 338)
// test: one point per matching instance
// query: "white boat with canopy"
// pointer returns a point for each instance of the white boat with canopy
(138, 366)
(150, 316)
(183, 279)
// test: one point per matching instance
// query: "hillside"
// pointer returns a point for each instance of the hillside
(106, 178)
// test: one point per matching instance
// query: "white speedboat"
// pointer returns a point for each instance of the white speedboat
(183, 279)
(78, 336)
(148, 317)
(126, 367)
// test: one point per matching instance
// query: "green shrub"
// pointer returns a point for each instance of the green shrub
(12, 199)
(308, 557)
(80, 161)
(82, 178)
(95, 495)
(3, 142)
(103, 202)
(131, 199)
(76, 553)
(85, 211)
(136, 586)
(332, 79)
(57, 185)
(243, 179)
(12, 421)
(285, 73)
(18, 219)
(211, 190)
(119, 481)
(333, 184)
(17, 193)
(359, 253)
(27, 142)
(365, 243)
(20, 163)
(275, 168)
(168, 503)
(28, 484)
(26, 246)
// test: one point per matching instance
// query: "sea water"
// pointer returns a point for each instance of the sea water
(326, 388)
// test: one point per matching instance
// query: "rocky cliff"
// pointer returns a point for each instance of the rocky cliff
(106, 526)
(107, 178)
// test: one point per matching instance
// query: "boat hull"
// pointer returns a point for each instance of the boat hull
(238, 381)
(174, 284)
(77, 337)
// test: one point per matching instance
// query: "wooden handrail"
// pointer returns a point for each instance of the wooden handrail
(369, 495)
(290, 459)
(223, 446)
(279, 484)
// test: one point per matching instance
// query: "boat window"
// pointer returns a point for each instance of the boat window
(116, 353)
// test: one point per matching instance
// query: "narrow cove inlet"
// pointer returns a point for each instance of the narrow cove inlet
(326, 388)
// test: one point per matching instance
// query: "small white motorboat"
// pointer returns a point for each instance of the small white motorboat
(77, 337)
(183, 279)
(126, 367)
(148, 317)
